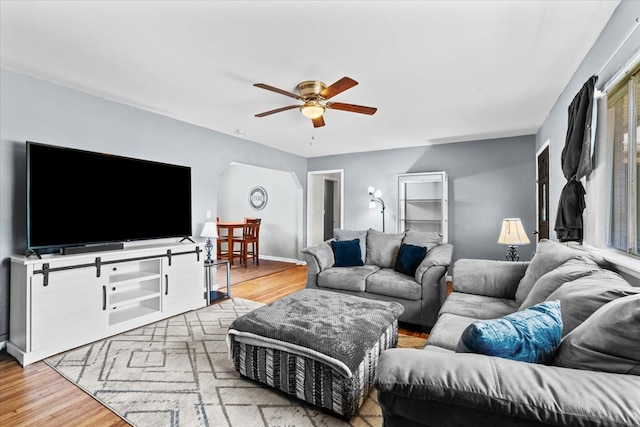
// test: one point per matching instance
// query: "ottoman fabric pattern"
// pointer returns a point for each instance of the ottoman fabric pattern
(311, 380)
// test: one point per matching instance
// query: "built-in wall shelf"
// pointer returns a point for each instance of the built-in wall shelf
(423, 202)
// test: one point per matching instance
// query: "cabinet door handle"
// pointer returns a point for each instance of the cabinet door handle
(166, 286)
(104, 298)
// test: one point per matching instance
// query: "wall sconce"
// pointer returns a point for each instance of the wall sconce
(210, 230)
(376, 198)
(512, 234)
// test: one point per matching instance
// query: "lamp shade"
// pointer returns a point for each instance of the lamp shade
(210, 229)
(512, 233)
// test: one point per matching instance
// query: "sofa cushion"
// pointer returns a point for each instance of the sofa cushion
(427, 239)
(582, 297)
(346, 278)
(391, 283)
(491, 278)
(549, 255)
(347, 253)
(531, 335)
(342, 234)
(447, 331)
(409, 258)
(478, 306)
(382, 248)
(607, 341)
(571, 270)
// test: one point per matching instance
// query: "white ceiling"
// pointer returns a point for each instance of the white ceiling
(438, 71)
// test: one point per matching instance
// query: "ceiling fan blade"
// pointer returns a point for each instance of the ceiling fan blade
(318, 122)
(338, 87)
(277, 110)
(275, 89)
(351, 107)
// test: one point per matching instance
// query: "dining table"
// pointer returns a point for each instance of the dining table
(229, 226)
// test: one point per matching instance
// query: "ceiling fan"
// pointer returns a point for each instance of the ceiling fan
(313, 93)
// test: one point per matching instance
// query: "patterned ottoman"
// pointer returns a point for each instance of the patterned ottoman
(322, 347)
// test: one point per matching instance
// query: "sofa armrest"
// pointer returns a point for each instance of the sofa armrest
(498, 279)
(319, 257)
(438, 255)
(423, 385)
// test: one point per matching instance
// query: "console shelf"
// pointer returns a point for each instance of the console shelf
(130, 313)
(131, 296)
(61, 302)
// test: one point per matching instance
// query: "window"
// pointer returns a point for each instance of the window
(623, 137)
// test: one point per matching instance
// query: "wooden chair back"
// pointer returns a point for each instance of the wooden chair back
(251, 228)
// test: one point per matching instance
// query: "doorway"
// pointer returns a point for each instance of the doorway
(329, 208)
(324, 204)
(542, 195)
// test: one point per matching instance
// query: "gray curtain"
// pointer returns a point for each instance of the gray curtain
(576, 164)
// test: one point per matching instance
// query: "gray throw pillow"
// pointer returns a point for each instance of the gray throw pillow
(342, 235)
(571, 270)
(549, 255)
(426, 239)
(607, 341)
(582, 297)
(382, 248)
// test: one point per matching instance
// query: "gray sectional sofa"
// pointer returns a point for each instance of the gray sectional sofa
(421, 294)
(593, 378)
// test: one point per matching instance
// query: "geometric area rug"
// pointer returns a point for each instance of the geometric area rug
(176, 372)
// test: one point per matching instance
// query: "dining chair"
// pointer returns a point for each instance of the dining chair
(222, 242)
(250, 236)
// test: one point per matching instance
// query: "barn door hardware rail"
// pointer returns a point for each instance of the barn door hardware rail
(98, 263)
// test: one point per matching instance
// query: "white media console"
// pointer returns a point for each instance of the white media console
(61, 302)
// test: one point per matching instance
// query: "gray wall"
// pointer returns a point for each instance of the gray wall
(36, 110)
(488, 180)
(554, 128)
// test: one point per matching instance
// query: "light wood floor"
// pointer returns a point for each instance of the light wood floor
(36, 395)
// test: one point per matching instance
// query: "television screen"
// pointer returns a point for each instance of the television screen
(77, 197)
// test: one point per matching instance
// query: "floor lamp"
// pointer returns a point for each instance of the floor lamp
(376, 198)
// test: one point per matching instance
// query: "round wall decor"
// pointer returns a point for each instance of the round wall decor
(258, 198)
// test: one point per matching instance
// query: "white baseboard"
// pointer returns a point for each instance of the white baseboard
(282, 259)
(3, 345)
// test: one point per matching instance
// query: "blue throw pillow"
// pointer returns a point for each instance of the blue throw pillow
(347, 253)
(409, 258)
(530, 335)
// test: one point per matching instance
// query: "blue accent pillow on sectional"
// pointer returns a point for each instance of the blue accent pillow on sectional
(409, 258)
(530, 335)
(347, 253)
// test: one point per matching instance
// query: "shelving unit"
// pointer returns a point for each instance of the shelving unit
(423, 202)
(134, 290)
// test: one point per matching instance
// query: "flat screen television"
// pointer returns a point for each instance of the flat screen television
(79, 198)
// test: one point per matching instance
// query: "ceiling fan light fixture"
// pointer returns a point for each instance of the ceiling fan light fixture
(312, 109)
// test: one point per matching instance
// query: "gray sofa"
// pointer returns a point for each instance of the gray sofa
(593, 378)
(421, 294)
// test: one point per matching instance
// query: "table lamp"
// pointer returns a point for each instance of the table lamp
(210, 230)
(512, 234)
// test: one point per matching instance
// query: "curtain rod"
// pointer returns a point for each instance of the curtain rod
(601, 93)
(637, 22)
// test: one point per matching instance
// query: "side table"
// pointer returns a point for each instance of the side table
(211, 274)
